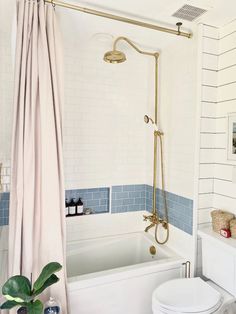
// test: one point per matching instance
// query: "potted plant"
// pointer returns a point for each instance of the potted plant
(19, 290)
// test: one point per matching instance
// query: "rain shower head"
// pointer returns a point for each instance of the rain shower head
(114, 56)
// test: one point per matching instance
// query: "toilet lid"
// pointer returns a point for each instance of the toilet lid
(190, 295)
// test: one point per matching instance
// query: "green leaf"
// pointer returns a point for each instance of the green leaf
(9, 305)
(47, 271)
(50, 281)
(35, 307)
(17, 288)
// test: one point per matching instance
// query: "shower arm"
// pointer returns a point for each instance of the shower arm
(152, 54)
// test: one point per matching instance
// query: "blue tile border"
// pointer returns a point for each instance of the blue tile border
(4, 208)
(180, 209)
(127, 198)
(124, 198)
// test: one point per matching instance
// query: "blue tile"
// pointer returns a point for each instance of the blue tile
(128, 188)
(123, 195)
(104, 202)
(128, 201)
(134, 207)
(184, 201)
(116, 202)
(140, 201)
(5, 196)
(92, 203)
(104, 190)
(134, 194)
(117, 188)
(140, 187)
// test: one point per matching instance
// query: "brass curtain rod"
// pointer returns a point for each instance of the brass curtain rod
(118, 18)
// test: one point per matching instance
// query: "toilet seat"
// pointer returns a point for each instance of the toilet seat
(189, 296)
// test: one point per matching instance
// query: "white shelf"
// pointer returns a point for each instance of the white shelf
(228, 244)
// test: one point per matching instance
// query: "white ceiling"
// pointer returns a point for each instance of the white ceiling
(99, 31)
(220, 12)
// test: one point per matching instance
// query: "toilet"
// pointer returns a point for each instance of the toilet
(191, 295)
(197, 296)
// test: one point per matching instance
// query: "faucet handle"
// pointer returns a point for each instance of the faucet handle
(145, 217)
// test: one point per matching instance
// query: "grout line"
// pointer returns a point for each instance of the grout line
(204, 117)
(210, 37)
(227, 35)
(217, 163)
(213, 148)
(212, 132)
(225, 68)
(227, 100)
(226, 51)
(204, 208)
(234, 198)
(233, 82)
(206, 85)
(210, 69)
(210, 53)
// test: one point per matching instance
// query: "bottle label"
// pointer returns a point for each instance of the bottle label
(80, 209)
(72, 210)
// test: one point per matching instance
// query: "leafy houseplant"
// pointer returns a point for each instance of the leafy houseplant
(19, 291)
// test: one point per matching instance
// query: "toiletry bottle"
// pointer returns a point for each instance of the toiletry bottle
(72, 207)
(80, 207)
(67, 207)
(52, 307)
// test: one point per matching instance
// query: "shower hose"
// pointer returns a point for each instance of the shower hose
(165, 218)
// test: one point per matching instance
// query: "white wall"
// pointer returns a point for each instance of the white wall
(106, 141)
(178, 107)
(224, 187)
(216, 187)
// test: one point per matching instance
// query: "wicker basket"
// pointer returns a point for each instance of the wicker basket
(221, 220)
(233, 228)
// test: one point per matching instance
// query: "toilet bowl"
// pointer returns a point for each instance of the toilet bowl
(191, 295)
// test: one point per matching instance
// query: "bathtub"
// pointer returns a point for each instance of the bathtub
(117, 274)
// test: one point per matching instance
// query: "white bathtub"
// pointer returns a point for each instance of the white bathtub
(117, 274)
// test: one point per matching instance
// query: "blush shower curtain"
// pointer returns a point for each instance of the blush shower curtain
(37, 217)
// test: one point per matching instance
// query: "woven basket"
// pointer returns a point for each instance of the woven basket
(221, 220)
(233, 228)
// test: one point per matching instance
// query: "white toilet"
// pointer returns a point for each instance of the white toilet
(194, 295)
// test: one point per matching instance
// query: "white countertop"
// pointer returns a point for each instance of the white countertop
(228, 244)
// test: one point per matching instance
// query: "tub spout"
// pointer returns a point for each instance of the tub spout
(149, 227)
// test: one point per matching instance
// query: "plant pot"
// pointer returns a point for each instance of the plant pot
(22, 310)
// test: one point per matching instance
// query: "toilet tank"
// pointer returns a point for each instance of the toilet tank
(219, 260)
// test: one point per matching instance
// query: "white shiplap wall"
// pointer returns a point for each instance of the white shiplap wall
(216, 188)
(209, 134)
(224, 187)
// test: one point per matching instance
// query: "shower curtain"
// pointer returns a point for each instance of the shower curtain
(37, 217)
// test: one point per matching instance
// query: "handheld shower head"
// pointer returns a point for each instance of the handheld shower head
(147, 119)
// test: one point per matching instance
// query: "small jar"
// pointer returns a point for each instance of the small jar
(233, 228)
(52, 307)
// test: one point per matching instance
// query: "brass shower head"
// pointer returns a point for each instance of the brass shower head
(114, 56)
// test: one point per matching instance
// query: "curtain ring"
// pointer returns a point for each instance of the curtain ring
(53, 4)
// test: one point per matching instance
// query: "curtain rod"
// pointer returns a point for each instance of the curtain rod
(119, 18)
